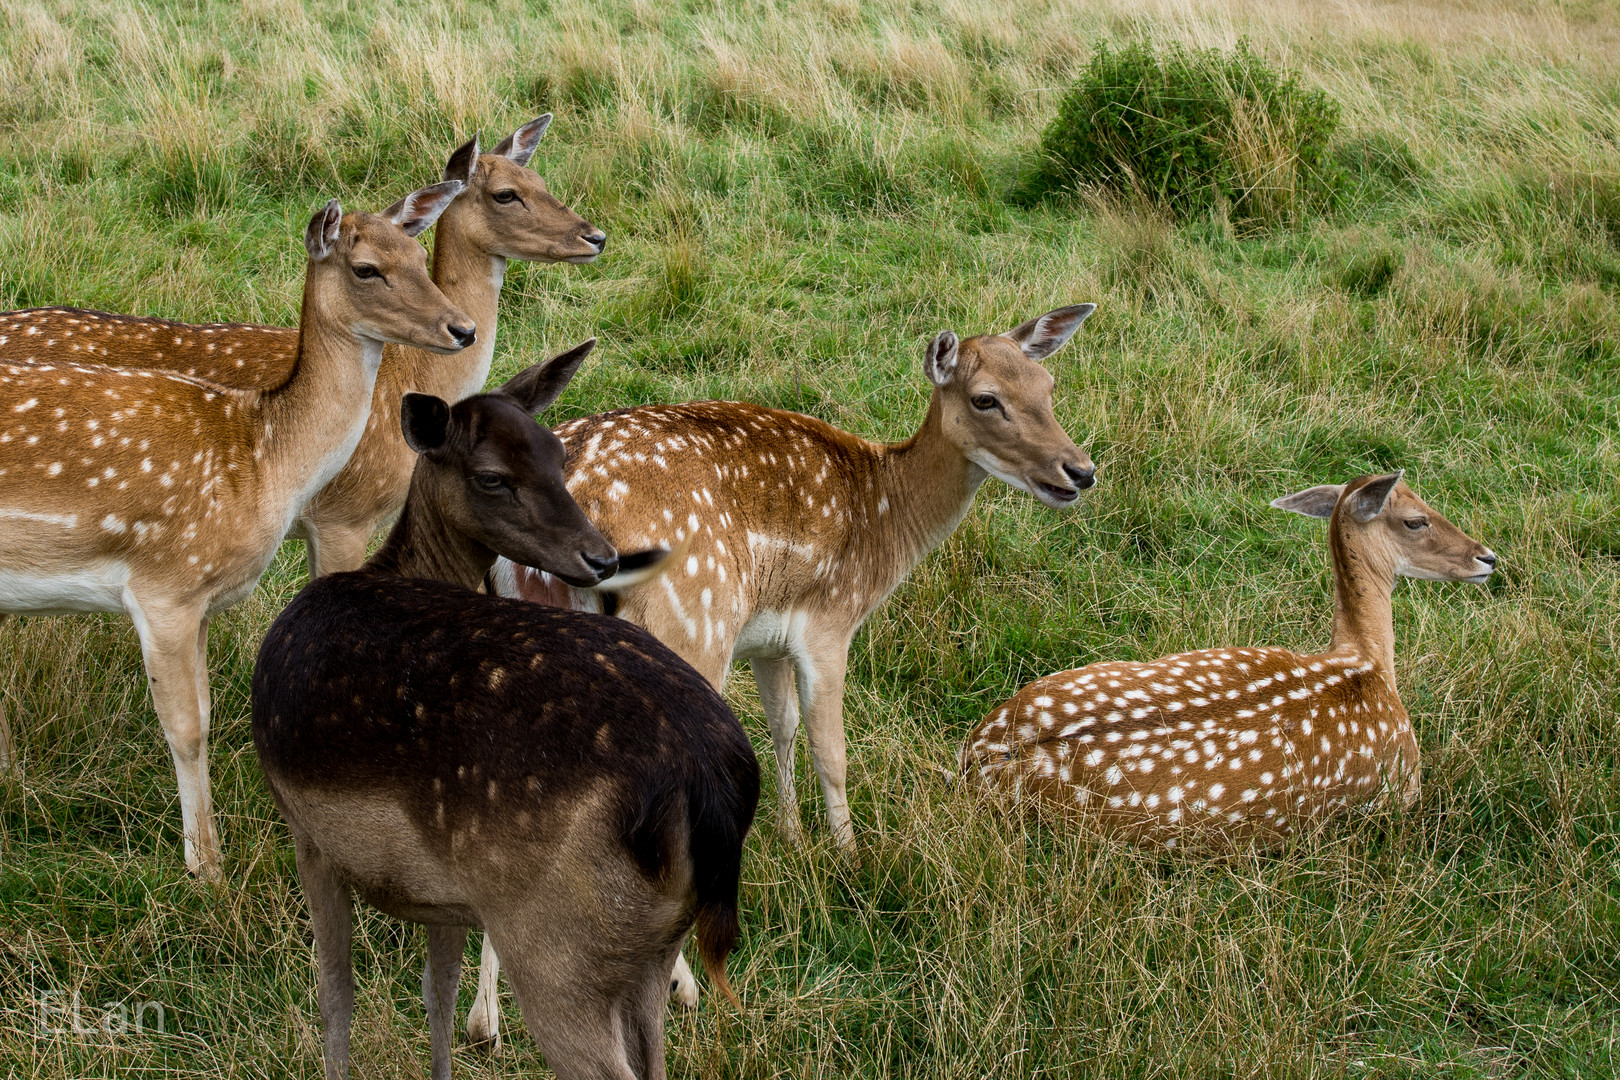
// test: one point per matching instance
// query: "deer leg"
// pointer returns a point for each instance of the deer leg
(8, 749)
(484, 1019)
(173, 644)
(333, 549)
(643, 1026)
(821, 699)
(775, 680)
(331, 917)
(580, 1028)
(683, 985)
(441, 975)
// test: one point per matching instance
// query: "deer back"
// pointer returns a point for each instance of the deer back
(243, 356)
(497, 730)
(1228, 740)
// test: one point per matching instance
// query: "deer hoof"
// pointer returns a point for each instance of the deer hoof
(479, 1034)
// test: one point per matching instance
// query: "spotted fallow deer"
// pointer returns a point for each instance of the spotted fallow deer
(798, 531)
(559, 778)
(801, 530)
(165, 496)
(505, 212)
(1243, 742)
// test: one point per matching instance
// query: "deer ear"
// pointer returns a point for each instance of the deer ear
(519, 146)
(535, 388)
(416, 212)
(939, 358)
(1368, 500)
(1045, 335)
(1316, 502)
(321, 236)
(425, 420)
(463, 164)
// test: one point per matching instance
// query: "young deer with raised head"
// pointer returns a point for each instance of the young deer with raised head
(561, 779)
(165, 497)
(801, 530)
(1245, 741)
(798, 531)
(505, 212)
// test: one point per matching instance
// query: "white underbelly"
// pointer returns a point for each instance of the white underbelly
(99, 587)
(772, 635)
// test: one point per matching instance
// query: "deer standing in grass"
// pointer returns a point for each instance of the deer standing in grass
(561, 779)
(504, 212)
(165, 496)
(798, 531)
(1245, 741)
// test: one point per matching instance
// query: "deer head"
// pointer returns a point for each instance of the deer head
(1392, 530)
(997, 405)
(366, 271)
(507, 209)
(496, 477)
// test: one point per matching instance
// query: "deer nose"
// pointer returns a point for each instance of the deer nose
(603, 568)
(1082, 477)
(598, 240)
(463, 335)
(1489, 558)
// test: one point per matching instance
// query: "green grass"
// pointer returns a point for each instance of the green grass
(797, 197)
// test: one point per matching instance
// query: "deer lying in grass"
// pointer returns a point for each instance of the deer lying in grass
(558, 778)
(799, 531)
(1243, 742)
(165, 497)
(505, 212)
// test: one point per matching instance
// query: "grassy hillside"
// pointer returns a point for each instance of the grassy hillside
(797, 196)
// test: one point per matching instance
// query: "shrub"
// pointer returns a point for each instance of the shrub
(1191, 129)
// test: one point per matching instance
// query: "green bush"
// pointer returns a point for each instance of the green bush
(1191, 129)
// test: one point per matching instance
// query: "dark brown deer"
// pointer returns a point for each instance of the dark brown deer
(558, 778)
(165, 497)
(1236, 742)
(505, 212)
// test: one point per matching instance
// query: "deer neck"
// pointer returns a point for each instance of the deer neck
(930, 486)
(471, 278)
(1363, 604)
(422, 545)
(313, 420)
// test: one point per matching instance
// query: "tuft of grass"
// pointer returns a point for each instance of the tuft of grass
(1190, 130)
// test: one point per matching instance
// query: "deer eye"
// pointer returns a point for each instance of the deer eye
(365, 272)
(1417, 523)
(488, 481)
(985, 402)
(506, 196)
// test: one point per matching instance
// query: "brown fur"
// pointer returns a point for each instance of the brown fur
(505, 212)
(559, 778)
(1248, 741)
(165, 496)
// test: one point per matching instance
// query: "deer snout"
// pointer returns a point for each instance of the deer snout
(1084, 476)
(603, 567)
(597, 239)
(1072, 476)
(1488, 561)
(463, 336)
